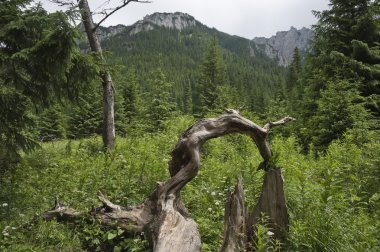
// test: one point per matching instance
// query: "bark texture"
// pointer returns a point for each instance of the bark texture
(108, 87)
(163, 216)
(272, 203)
(234, 238)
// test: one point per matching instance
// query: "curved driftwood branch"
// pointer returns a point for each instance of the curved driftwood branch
(163, 216)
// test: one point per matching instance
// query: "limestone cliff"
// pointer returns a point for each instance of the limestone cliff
(281, 46)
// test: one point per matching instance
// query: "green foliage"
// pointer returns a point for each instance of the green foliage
(16, 124)
(51, 124)
(213, 76)
(86, 115)
(265, 240)
(160, 104)
(180, 55)
(131, 95)
(333, 200)
(328, 205)
(40, 61)
(338, 109)
(341, 77)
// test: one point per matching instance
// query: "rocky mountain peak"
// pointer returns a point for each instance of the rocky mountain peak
(281, 46)
(106, 32)
(177, 20)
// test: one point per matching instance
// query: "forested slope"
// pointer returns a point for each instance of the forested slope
(180, 53)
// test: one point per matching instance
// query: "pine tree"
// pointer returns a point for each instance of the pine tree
(338, 110)
(294, 72)
(345, 49)
(131, 95)
(86, 117)
(213, 75)
(188, 98)
(40, 62)
(121, 119)
(160, 104)
(51, 124)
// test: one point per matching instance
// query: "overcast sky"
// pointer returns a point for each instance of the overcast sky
(246, 18)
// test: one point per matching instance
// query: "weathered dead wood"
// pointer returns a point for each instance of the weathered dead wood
(163, 216)
(107, 83)
(272, 203)
(234, 238)
(131, 218)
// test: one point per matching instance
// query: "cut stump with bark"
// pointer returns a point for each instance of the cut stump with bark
(163, 217)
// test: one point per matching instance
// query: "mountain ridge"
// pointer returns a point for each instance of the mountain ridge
(278, 47)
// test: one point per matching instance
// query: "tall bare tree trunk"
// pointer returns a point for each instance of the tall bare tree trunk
(108, 87)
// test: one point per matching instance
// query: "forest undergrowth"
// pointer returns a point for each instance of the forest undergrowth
(333, 200)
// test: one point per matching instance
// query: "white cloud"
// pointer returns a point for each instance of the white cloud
(246, 18)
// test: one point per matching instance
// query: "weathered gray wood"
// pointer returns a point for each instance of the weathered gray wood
(174, 232)
(163, 216)
(234, 238)
(272, 203)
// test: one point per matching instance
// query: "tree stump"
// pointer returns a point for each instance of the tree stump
(272, 203)
(234, 238)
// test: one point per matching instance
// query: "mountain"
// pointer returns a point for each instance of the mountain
(177, 20)
(280, 47)
(177, 42)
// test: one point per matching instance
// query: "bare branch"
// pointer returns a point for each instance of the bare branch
(125, 3)
(108, 204)
(64, 3)
(284, 120)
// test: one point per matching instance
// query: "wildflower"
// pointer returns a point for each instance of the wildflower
(5, 234)
(5, 204)
(217, 202)
(270, 233)
(209, 209)
(213, 193)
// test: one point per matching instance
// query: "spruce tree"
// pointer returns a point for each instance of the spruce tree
(344, 55)
(40, 62)
(86, 117)
(52, 124)
(213, 75)
(131, 95)
(294, 71)
(160, 103)
(188, 98)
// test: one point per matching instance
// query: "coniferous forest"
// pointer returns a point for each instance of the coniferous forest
(59, 108)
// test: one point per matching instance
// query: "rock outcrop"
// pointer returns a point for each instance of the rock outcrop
(107, 32)
(175, 20)
(281, 46)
